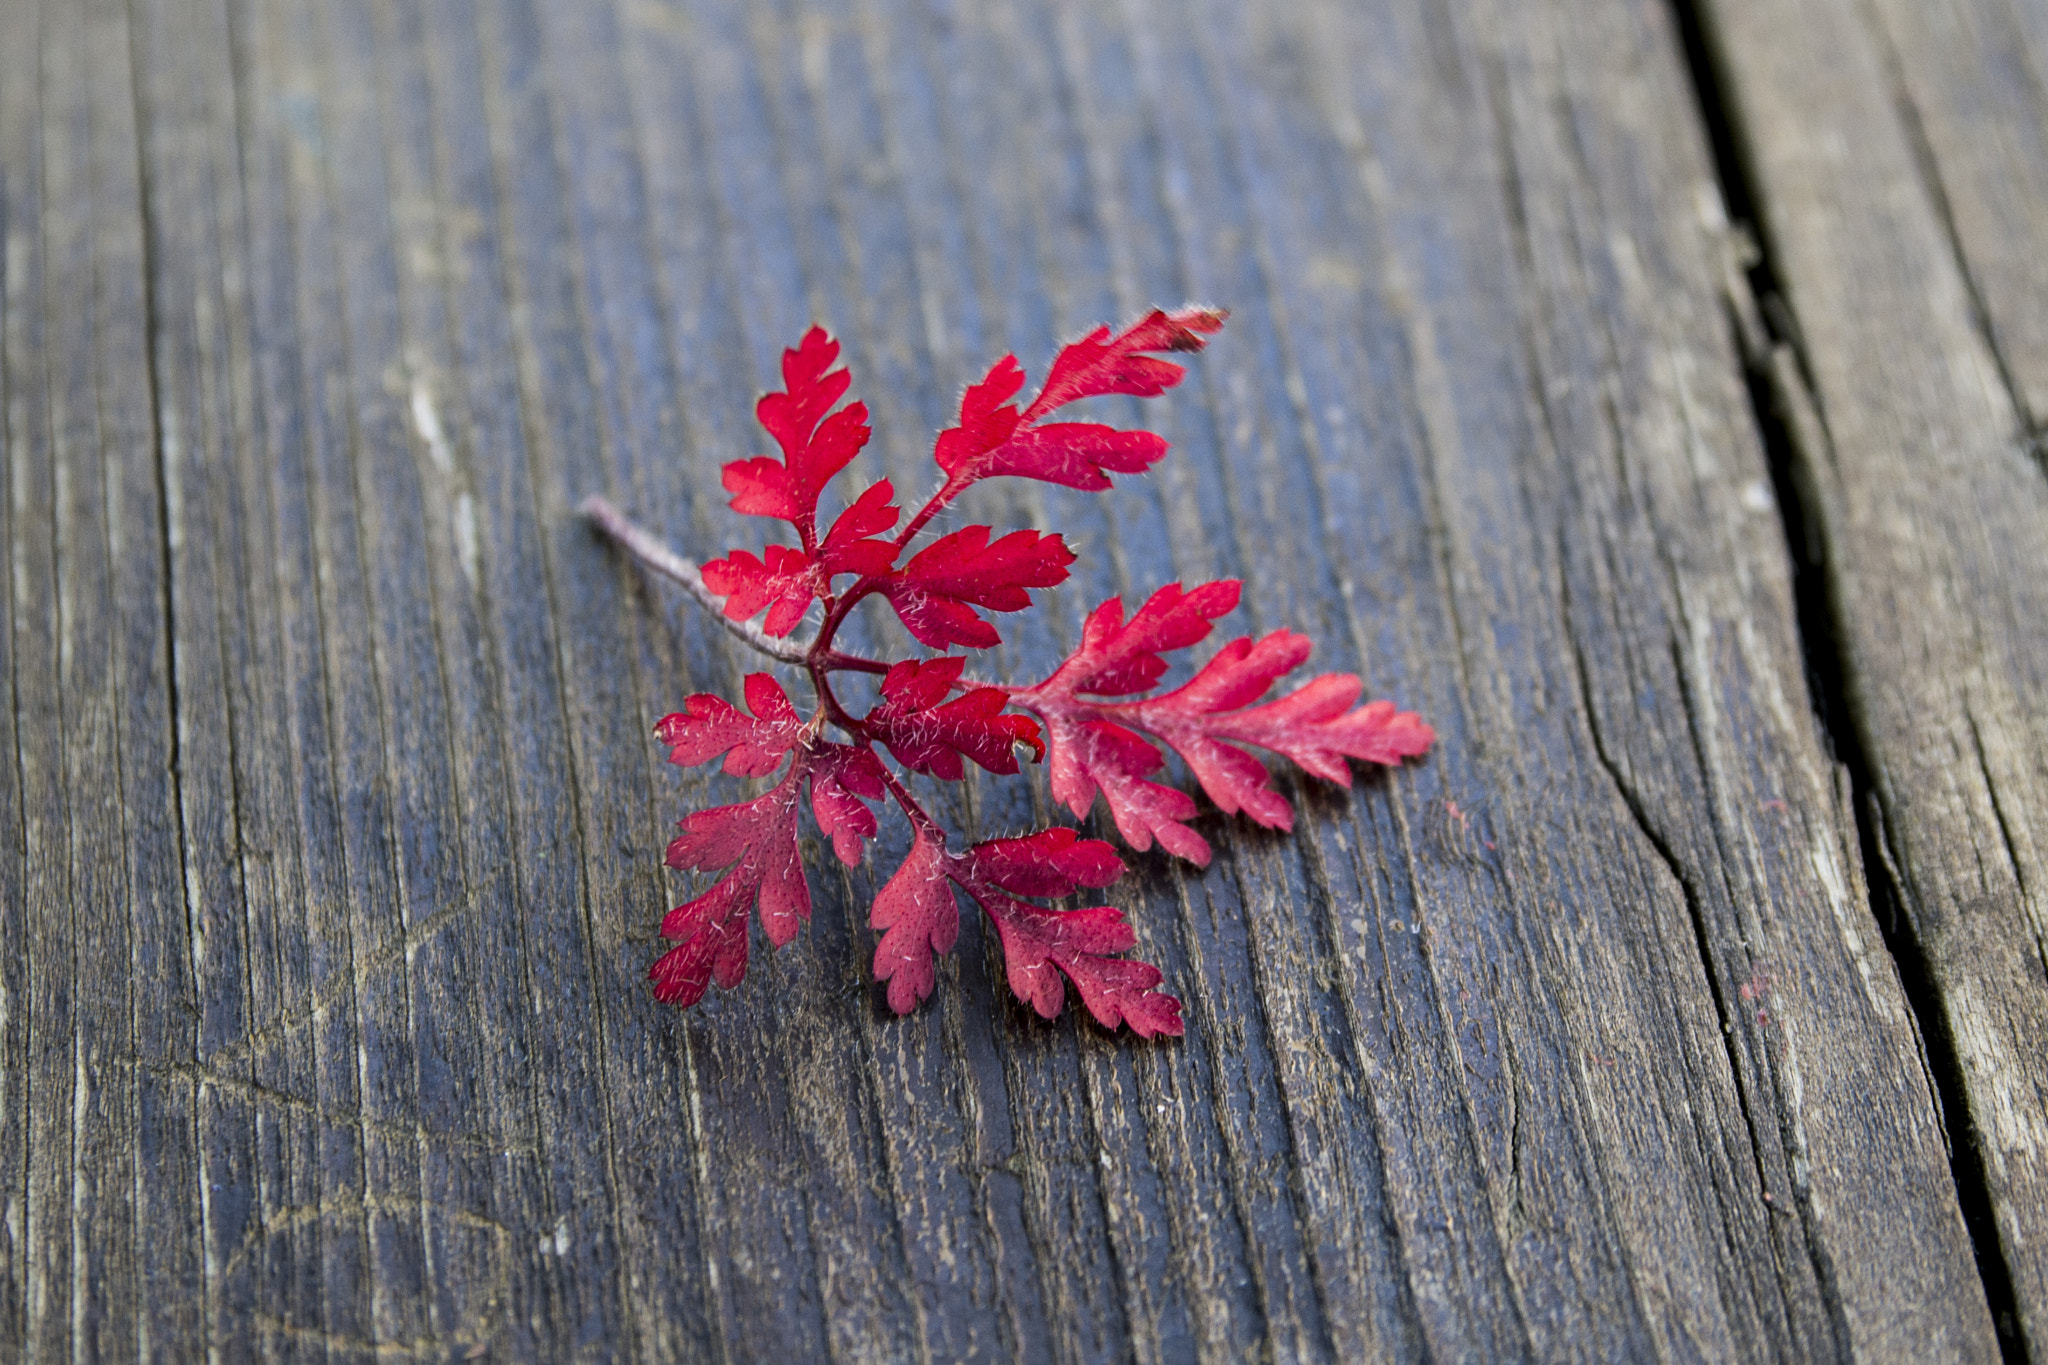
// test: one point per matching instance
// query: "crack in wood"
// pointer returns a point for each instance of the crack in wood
(1820, 626)
(1688, 892)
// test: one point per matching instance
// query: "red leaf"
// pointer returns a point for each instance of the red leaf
(814, 446)
(921, 920)
(930, 738)
(965, 566)
(1094, 746)
(714, 952)
(843, 780)
(1314, 725)
(1090, 755)
(1052, 862)
(987, 419)
(783, 582)
(760, 487)
(1041, 945)
(1099, 363)
(1115, 657)
(1073, 454)
(756, 842)
(934, 724)
(937, 591)
(753, 745)
(846, 551)
(993, 438)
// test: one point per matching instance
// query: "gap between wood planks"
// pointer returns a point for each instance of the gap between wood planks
(1780, 384)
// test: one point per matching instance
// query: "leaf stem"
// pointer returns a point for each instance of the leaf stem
(829, 705)
(656, 556)
(938, 503)
(836, 609)
(917, 813)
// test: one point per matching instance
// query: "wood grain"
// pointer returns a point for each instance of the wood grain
(338, 865)
(1901, 240)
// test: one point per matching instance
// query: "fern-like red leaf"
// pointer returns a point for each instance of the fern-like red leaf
(936, 592)
(755, 844)
(919, 919)
(993, 438)
(815, 445)
(1100, 745)
(782, 580)
(753, 746)
(929, 734)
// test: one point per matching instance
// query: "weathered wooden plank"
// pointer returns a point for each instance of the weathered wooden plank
(14, 1073)
(1144, 165)
(1905, 244)
(262, 1254)
(112, 1183)
(371, 1193)
(1966, 80)
(495, 1158)
(31, 649)
(998, 270)
(1579, 174)
(506, 143)
(311, 1046)
(273, 1081)
(1577, 1039)
(103, 1151)
(79, 732)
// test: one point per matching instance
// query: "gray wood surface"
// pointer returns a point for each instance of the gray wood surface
(337, 872)
(1899, 163)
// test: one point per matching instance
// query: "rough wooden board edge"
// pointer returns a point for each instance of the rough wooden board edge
(1934, 516)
